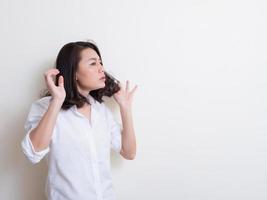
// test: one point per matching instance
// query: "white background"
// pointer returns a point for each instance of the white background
(200, 111)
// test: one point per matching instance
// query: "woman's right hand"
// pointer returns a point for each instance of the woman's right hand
(58, 92)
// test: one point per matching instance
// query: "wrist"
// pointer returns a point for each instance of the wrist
(125, 107)
(56, 102)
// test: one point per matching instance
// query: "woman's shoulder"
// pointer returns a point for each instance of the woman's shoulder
(42, 102)
(39, 106)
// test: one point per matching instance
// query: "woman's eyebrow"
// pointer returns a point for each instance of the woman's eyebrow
(94, 59)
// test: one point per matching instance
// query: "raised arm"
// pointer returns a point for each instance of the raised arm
(41, 135)
(124, 98)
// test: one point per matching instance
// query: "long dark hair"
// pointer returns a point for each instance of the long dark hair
(67, 63)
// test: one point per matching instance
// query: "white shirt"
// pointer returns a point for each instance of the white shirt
(78, 156)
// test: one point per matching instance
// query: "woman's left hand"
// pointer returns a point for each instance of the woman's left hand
(124, 97)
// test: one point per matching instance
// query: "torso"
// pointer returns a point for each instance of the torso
(79, 152)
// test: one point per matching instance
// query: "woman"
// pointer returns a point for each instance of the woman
(74, 130)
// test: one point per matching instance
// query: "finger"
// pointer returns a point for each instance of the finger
(49, 78)
(50, 83)
(51, 72)
(120, 85)
(134, 89)
(61, 81)
(127, 86)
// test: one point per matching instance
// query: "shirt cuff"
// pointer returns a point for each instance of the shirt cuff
(28, 149)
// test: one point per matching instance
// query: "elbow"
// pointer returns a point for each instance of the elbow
(32, 159)
(29, 155)
(129, 156)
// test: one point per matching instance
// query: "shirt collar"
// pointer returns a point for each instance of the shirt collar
(91, 99)
(94, 111)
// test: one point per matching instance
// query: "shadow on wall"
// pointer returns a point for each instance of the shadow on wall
(15, 169)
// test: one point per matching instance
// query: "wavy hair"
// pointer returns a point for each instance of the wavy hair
(67, 63)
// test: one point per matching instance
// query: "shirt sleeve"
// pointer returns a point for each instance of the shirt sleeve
(37, 110)
(115, 131)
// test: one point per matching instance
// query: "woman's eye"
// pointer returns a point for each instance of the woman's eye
(94, 63)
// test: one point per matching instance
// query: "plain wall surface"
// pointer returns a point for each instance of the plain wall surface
(200, 110)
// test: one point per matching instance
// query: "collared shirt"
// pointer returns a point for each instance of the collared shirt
(78, 155)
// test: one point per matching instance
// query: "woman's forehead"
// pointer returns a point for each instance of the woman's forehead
(89, 54)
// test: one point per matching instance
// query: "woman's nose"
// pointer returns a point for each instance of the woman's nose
(101, 68)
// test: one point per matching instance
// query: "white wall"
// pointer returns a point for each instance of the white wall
(200, 111)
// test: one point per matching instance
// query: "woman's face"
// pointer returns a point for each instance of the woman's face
(90, 72)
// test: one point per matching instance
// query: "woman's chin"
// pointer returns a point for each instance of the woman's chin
(101, 86)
